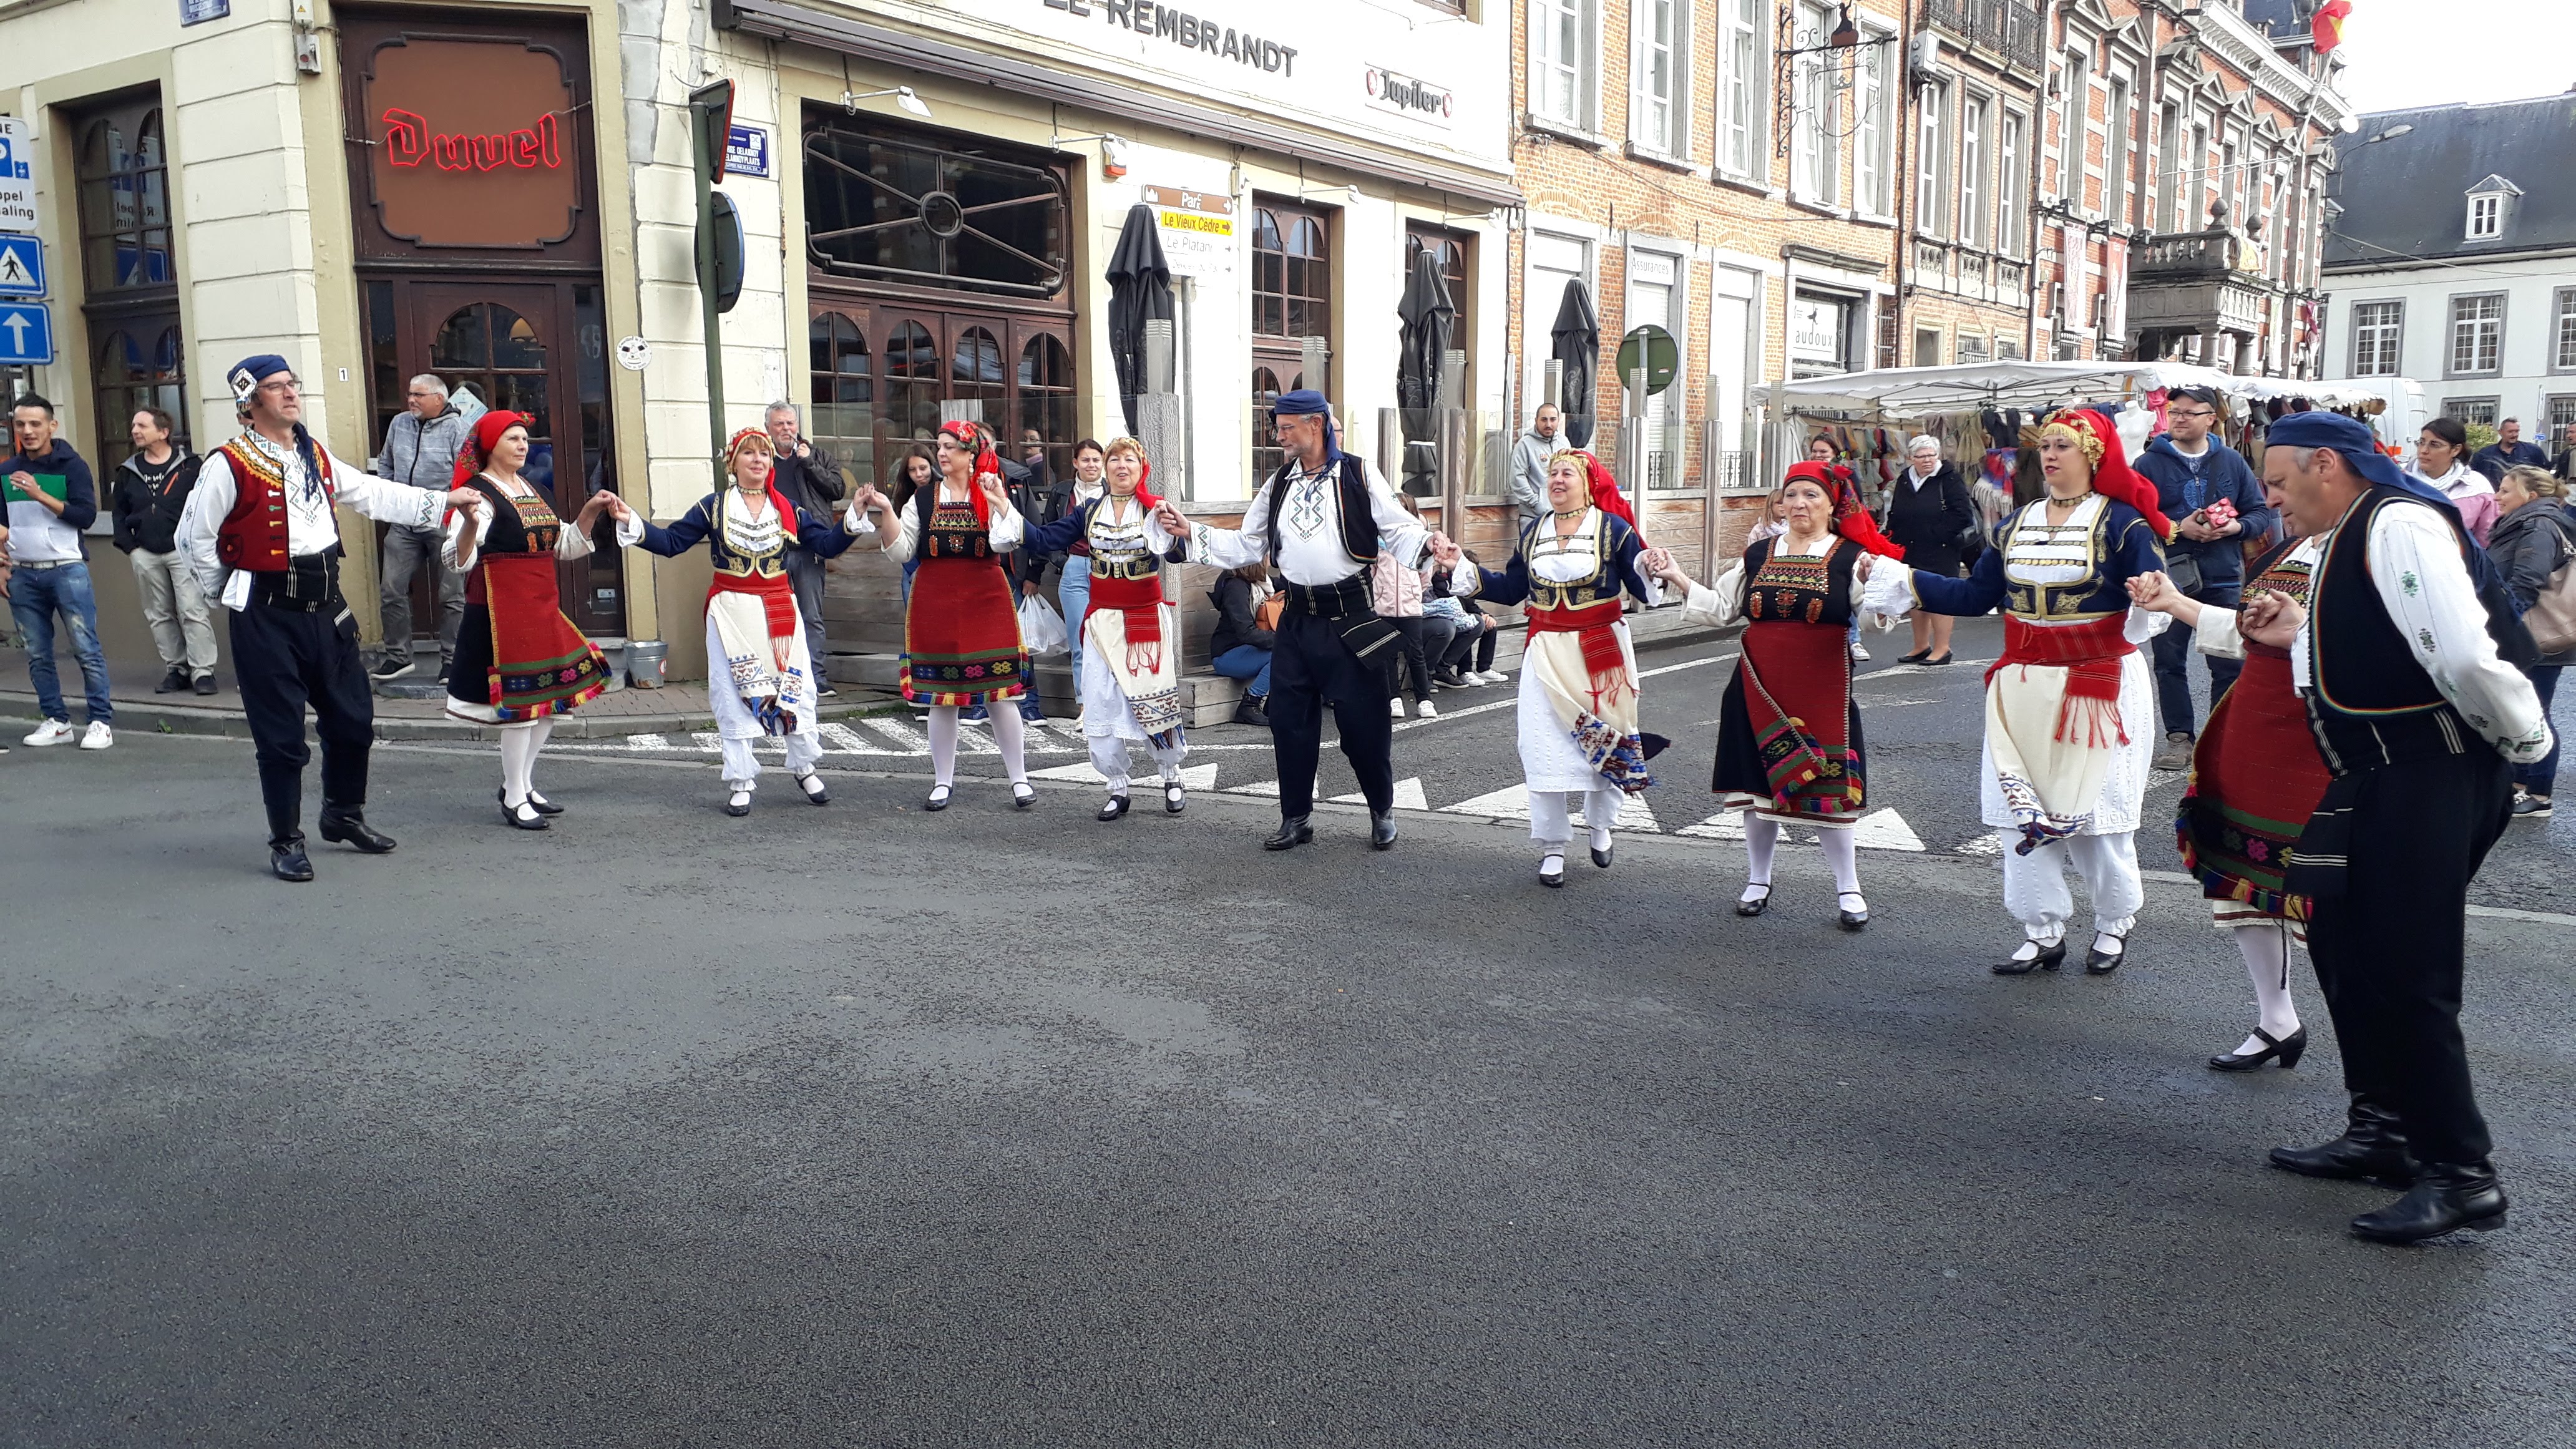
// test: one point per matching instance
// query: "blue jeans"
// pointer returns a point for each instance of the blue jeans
(1246, 661)
(1073, 596)
(2536, 778)
(35, 595)
(2173, 651)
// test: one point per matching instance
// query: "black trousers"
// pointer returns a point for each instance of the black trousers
(1412, 652)
(805, 578)
(2391, 950)
(1310, 667)
(287, 659)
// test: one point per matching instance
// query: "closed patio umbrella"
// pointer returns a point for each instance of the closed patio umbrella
(1140, 291)
(1577, 344)
(1427, 318)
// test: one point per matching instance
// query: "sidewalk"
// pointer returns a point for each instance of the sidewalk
(407, 709)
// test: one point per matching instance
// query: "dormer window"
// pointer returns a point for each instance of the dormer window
(2489, 201)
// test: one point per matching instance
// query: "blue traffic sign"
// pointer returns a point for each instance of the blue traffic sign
(22, 267)
(26, 333)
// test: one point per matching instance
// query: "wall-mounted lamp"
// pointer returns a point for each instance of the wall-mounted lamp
(1113, 151)
(903, 97)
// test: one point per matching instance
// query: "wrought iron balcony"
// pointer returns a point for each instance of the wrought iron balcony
(2009, 29)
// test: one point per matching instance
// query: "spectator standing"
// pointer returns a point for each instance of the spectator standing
(420, 450)
(2194, 474)
(52, 571)
(1395, 593)
(2508, 451)
(1931, 517)
(2534, 538)
(1033, 493)
(2441, 459)
(1239, 647)
(149, 494)
(1073, 585)
(1529, 464)
(807, 477)
(2565, 464)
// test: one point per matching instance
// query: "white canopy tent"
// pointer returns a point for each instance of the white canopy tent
(1907, 392)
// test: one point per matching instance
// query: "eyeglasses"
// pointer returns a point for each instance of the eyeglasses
(2170, 414)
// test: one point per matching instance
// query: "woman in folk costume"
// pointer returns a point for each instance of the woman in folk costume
(2256, 777)
(1578, 700)
(2070, 705)
(1131, 658)
(757, 667)
(961, 629)
(519, 661)
(1789, 745)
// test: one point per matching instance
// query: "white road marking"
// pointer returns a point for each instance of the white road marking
(1987, 844)
(707, 741)
(1447, 715)
(1193, 777)
(1408, 796)
(1512, 803)
(845, 740)
(1685, 664)
(646, 742)
(1885, 830)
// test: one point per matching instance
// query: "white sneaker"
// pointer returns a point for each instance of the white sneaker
(51, 732)
(1496, 676)
(1474, 680)
(1426, 710)
(1394, 709)
(1859, 654)
(97, 737)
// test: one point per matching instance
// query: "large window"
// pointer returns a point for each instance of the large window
(1654, 295)
(2011, 178)
(2376, 330)
(2169, 166)
(1292, 300)
(1561, 62)
(1973, 122)
(884, 205)
(1816, 129)
(129, 292)
(1739, 87)
(1931, 160)
(2115, 156)
(1873, 169)
(2481, 410)
(2072, 127)
(1662, 76)
(842, 417)
(1555, 262)
(2563, 350)
(2477, 333)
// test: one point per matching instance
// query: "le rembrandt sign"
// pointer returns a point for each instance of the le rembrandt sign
(467, 145)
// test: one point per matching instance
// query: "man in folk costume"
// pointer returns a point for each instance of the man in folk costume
(261, 536)
(1322, 520)
(2401, 658)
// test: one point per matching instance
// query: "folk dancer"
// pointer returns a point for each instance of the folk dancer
(519, 662)
(2256, 777)
(759, 680)
(1578, 702)
(261, 535)
(1789, 746)
(2401, 657)
(2070, 705)
(1131, 666)
(1322, 519)
(961, 633)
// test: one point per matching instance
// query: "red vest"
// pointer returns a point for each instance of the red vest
(253, 534)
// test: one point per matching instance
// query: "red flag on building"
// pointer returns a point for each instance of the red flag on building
(2326, 32)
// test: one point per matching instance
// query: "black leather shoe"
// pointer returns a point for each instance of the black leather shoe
(2098, 962)
(536, 802)
(1249, 713)
(1601, 855)
(2286, 1049)
(289, 860)
(1756, 906)
(2371, 1149)
(1292, 833)
(2048, 960)
(1176, 797)
(1552, 879)
(939, 797)
(351, 827)
(1381, 830)
(1850, 919)
(525, 816)
(1917, 657)
(174, 682)
(1116, 807)
(2446, 1197)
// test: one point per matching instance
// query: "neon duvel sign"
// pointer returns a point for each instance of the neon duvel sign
(410, 142)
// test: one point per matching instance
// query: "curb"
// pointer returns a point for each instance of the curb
(174, 719)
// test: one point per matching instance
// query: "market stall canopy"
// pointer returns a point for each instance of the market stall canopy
(2331, 393)
(1916, 391)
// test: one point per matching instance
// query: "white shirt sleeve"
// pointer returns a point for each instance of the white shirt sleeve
(1232, 548)
(382, 499)
(1718, 607)
(907, 534)
(1889, 593)
(2216, 634)
(451, 546)
(2424, 583)
(573, 543)
(2144, 624)
(1006, 529)
(208, 503)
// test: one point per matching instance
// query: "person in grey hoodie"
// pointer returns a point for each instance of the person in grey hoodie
(1529, 465)
(421, 444)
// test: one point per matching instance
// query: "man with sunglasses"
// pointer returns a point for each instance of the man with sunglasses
(2193, 472)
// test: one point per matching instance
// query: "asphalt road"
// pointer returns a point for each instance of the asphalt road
(861, 1126)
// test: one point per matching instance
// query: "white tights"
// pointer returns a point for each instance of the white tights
(2266, 948)
(1762, 837)
(1005, 715)
(519, 746)
(1109, 757)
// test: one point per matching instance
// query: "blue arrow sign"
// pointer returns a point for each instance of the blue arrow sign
(26, 333)
(22, 267)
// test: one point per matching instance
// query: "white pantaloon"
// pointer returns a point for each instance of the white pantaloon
(1550, 812)
(1109, 757)
(737, 727)
(2035, 884)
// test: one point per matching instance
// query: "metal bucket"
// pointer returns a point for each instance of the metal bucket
(646, 659)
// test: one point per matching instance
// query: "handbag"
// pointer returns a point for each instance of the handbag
(2552, 616)
(1265, 615)
(2184, 570)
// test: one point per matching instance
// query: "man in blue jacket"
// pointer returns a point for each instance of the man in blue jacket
(2191, 471)
(2508, 451)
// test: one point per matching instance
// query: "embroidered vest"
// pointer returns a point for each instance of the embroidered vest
(1808, 589)
(1609, 535)
(1359, 523)
(253, 535)
(2363, 664)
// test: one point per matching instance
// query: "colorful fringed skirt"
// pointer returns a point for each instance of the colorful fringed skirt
(961, 634)
(517, 657)
(2256, 777)
(1789, 743)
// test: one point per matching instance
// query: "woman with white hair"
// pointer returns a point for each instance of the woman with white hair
(1931, 517)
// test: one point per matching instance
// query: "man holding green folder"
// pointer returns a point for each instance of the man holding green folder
(51, 498)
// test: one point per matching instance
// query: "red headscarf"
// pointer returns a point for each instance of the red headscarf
(1850, 519)
(1605, 489)
(974, 437)
(778, 503)
(2112, 476)
(1144, 466)
(477, 452)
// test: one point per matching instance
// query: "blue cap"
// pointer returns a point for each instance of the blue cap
(1303, 401)
(250, 372)
(2349, 436)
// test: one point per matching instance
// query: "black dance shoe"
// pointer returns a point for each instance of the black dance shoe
(939, 797)
(289, 860)
(536, 802)
(2371, 1149)
(1023, 794)
(1176, 797)
(1601, 855)
(1852, 920)
(2048, 960)
(524, 815)
(1552, 879)
(1917, 657)
(2446, 1197)
(2098, 962)
(351, 827)
(2286, 1049)
(1293, 832)
(1116, 807)
(738, 804)
(811, 782)
(1381, 830)
(1758, 904)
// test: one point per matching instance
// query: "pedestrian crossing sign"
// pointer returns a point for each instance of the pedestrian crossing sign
(22, 267)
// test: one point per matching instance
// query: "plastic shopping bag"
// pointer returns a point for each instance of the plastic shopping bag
(1041, 627)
